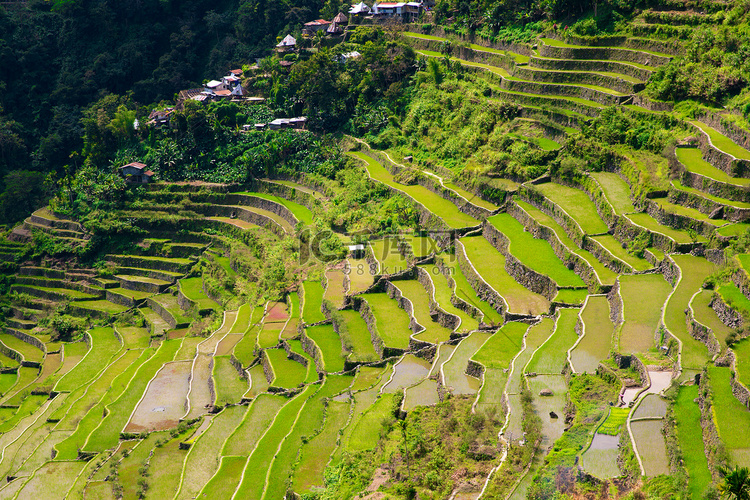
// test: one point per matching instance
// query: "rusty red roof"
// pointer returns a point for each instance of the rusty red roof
(135, 164)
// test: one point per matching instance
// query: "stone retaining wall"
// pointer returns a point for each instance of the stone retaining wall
(161, 311)
(284, 191)
(481, 288)
(427, 219)
(67, 225)
(724, 161)
(707, 206)
(580, 77)
(122, 300)
(267, 368)
(54, 283)
(602, 53)
(147, 273)
(439, 31)
(740, 391)
(651, 105)
(677, 221)
(441, 317)
(42, 272)
(29, 339)
(615, 304)
(532, 280)
(141, 286)
(135, 261)
(15, 355)
(708, 185)
(43, 294)
(625, 230)
(312, 349)
(711, 441)
(562, 90)
(244, 215)
(255, 202)
(580, 266)
(702, 333)
(464, 53)
(726, 127)
(548, 114)
(539, 100)
(455, 300)
(727, 315)
(571, 227)
(364, 310)
(584, 65)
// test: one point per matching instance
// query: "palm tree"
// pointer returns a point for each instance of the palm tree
(736, 483)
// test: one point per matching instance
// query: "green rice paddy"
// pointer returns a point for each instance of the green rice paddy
(490, 264)
(439, 206)
(537, 254)
(388, 255)
(606, 275)
(356, 337)
(443, 293)
(577, 204)
(301, 212)
(643, 297)
(596, 343)
(552, 356)
(615, 248)
(693, 160)
(690, 435)
(648, 222)
(329, 343)
(694, 271)
(722, 142)
(311, 310)
(287, 372)
(420, 301)
(731, 417)
(391, 322)
(616, 190)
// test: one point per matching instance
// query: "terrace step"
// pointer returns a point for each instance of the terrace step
(666, 238)
(58, 283)
(21, 324)
(252, 215)
(172, 265)
(166, 306)
(699, 174)
(560, 50)
(126, 297)
(584, 107)
(65, 233)
(679, 216)
(637, 73)
(103, 309)
(106, 283)
(721, 151)
(613, 81)
(25, 314)
(142, 284)
(661, 30)
(42, 271)
(156, 274)
(156, 323)
(676, 18)
(44, 217)
(54, 294)
(707, 204)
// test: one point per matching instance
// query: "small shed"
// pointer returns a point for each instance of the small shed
(357, 251)
(136, 173)
(287, 44)
(340, 19)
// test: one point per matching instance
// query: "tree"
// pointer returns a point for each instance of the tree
(736, 483)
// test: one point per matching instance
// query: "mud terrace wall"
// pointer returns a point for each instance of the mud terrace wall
(534, 281)
(481, 288)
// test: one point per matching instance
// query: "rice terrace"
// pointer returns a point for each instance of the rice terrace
(451, 249)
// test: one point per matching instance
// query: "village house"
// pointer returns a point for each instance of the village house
(136, 173)
(288, 44)
(314, 26)
(160, 118)
(404, 11)
(297, 123)
(359, 11)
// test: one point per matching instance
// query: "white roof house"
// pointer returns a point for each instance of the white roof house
(213, 84)
(360, 8)
(288, 41)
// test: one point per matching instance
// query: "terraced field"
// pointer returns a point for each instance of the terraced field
(568, 309)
